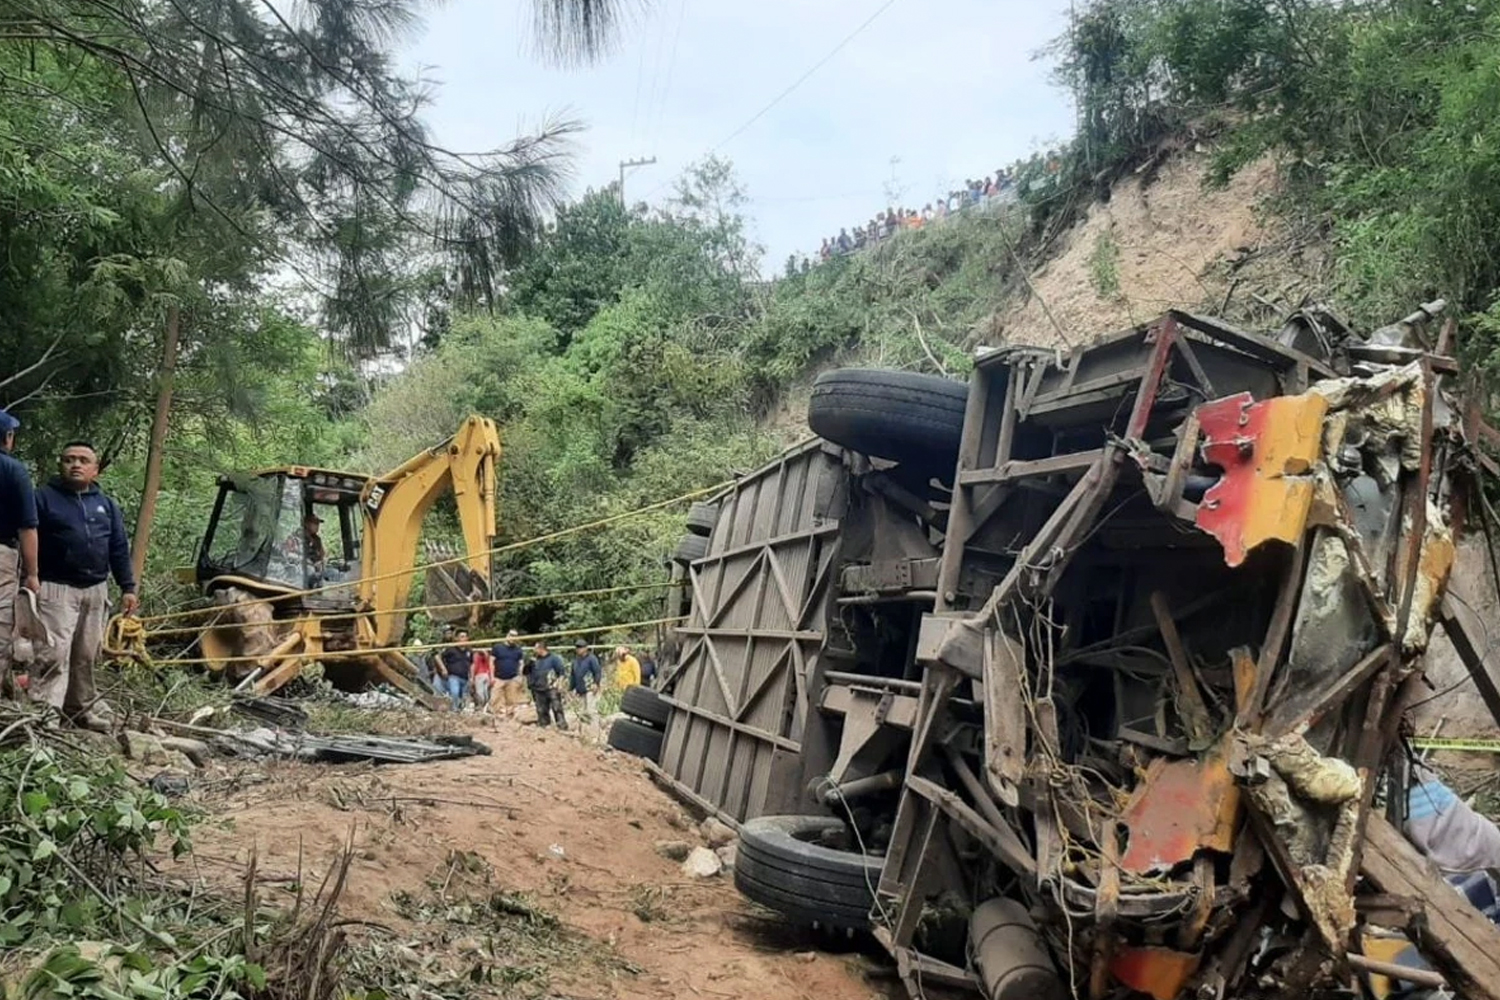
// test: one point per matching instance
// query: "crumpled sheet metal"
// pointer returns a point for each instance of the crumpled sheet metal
(1266, 451)
(1434, 563)
(1157, 972)
(1385, 409)
(1178, 809)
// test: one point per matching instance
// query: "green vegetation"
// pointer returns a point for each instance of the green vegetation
(636, 357)
(629, 355)
(1385, 116)
(1104, 266)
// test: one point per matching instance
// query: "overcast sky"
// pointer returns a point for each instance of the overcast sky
(950, 89)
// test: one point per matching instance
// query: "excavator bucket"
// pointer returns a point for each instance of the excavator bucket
(452, 587)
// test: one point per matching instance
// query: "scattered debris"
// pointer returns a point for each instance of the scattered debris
(673, 850)
(1137, 672)
(279, 712)
(170, 783)
(345, 748)
(716, 833)
(702, 863)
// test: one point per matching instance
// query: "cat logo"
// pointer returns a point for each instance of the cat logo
(373, 500)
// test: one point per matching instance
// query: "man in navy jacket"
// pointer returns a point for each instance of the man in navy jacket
(17, 541)
(588, 676)
(81, 542)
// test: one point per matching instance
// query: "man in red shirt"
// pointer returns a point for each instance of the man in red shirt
(483, 676)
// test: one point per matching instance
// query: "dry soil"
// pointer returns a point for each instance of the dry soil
(550, 818)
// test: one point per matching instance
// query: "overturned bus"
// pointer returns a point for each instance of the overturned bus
(1086, 678)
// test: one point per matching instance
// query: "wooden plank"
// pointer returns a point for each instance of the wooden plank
(1182, 464)
(1454, 936)
(1306, 703)
(1191, 705)
(1253, 345)
(1468, 651)
(1248, 714)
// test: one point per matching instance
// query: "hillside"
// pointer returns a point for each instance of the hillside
(1163, 239)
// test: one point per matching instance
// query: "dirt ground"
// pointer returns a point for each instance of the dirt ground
(549, 819)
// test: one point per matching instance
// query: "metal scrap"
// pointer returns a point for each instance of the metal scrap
(1183, 799)
(344, 749)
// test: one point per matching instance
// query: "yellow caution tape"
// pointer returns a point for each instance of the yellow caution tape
(1471, 746)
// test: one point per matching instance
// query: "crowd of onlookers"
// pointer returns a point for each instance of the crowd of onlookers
(505, 676)
(973, 194)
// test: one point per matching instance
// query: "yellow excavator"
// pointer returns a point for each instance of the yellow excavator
(304, 561)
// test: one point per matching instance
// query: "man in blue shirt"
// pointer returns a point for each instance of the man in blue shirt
(81, 542)
(17, 540)
(587, 675)
(545, 675)
(509, 658)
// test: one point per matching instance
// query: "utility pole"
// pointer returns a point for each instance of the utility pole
(627, 165)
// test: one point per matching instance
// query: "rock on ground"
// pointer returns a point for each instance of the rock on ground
(702, 863)
(716, 833)
(673, 850)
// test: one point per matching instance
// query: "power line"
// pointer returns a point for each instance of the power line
(666, 90)
(794, 84)
(805, 76)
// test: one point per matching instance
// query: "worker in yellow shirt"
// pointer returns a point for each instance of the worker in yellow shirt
(627, 668)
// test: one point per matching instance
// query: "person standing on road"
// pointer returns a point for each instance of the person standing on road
(588, 676)
(483, 678)
(509, 658)
(81, 542)
(627, 668)
(458, 662)
(17, 541)
(545, 675)
(648, 668)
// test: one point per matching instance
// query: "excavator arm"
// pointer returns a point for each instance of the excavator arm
(396, 503)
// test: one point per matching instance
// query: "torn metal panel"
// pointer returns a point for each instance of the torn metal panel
(1156, 972)
(347, 748)
(1452, 934)
(1179, 808)
(1266, 451)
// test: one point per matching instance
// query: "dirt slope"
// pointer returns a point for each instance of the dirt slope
(634, 926)
(1167, 239)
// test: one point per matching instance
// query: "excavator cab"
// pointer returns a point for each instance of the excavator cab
(305, 561)
(281, 531)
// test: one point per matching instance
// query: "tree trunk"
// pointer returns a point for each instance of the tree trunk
(152, 486)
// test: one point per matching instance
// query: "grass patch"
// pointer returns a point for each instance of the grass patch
(1104, 266)
(498, 938)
